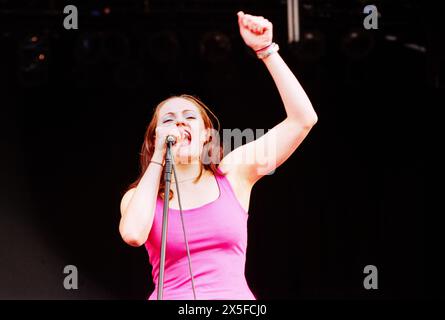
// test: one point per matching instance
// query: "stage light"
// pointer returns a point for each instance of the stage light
(215, 47)
(357, 44)
(32, 62)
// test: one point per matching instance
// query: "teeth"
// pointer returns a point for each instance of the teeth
(186, 136)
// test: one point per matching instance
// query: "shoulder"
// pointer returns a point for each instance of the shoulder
(235, 174)
(241, 187)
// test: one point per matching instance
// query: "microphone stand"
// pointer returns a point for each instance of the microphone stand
(168, 178)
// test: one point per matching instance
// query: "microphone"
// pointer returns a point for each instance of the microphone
(170, 139)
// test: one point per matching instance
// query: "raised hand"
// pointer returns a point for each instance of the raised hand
(256, 31)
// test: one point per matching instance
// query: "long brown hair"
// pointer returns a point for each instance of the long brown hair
(212, 146)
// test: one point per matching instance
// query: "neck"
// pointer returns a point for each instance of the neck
(187, 171)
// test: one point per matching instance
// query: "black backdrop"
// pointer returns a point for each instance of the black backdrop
(351, 196)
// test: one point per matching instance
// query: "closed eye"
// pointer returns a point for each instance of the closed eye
(167, 120)
(191, 117)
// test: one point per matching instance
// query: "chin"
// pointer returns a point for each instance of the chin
(185, 158)
(187, 154)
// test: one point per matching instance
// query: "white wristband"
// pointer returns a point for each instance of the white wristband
(267, 52)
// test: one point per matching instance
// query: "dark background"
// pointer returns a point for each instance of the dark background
(352, 195)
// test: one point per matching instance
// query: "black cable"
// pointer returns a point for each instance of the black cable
(183, 230)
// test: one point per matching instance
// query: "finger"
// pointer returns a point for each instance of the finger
(178, 135)
(257, 28)
(257, 23)
(243, 21)
(247, 18)
(253, 26)
(265, 25)
(262, 21)
(240, 15)
(247, 22)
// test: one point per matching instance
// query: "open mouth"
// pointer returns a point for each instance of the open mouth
(186, 137)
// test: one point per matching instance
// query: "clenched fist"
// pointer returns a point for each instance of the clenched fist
(256, 31)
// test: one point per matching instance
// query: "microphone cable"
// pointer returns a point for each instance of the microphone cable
(183, 230)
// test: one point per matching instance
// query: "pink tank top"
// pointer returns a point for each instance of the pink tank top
(217, 237)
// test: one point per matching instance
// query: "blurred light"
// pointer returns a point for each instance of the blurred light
(32, 61)
(310, 48)
(309, 36)
(107, 10)
(390, 37)
(357, 44)
(415, 47)
(95, 13)
(215, 46)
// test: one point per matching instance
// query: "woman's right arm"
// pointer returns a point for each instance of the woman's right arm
(138, 204)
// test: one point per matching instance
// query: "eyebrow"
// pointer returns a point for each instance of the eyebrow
(172, 113)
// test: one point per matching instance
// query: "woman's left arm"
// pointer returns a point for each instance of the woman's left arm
(257, 158)
(298, 107)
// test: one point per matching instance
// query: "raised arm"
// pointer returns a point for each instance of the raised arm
(273, 148)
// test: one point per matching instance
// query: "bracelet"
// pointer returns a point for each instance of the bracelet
(157, 163)
(272, 48)
(264, 47)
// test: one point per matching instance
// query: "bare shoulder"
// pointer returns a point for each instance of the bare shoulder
(229, 171)
(234, 172)
(241, 187)
(126, 199)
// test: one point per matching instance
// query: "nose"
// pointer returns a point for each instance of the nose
(181, 121)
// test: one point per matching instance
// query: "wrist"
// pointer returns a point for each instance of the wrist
(158, 156)
(257, 50)
(265, 52)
